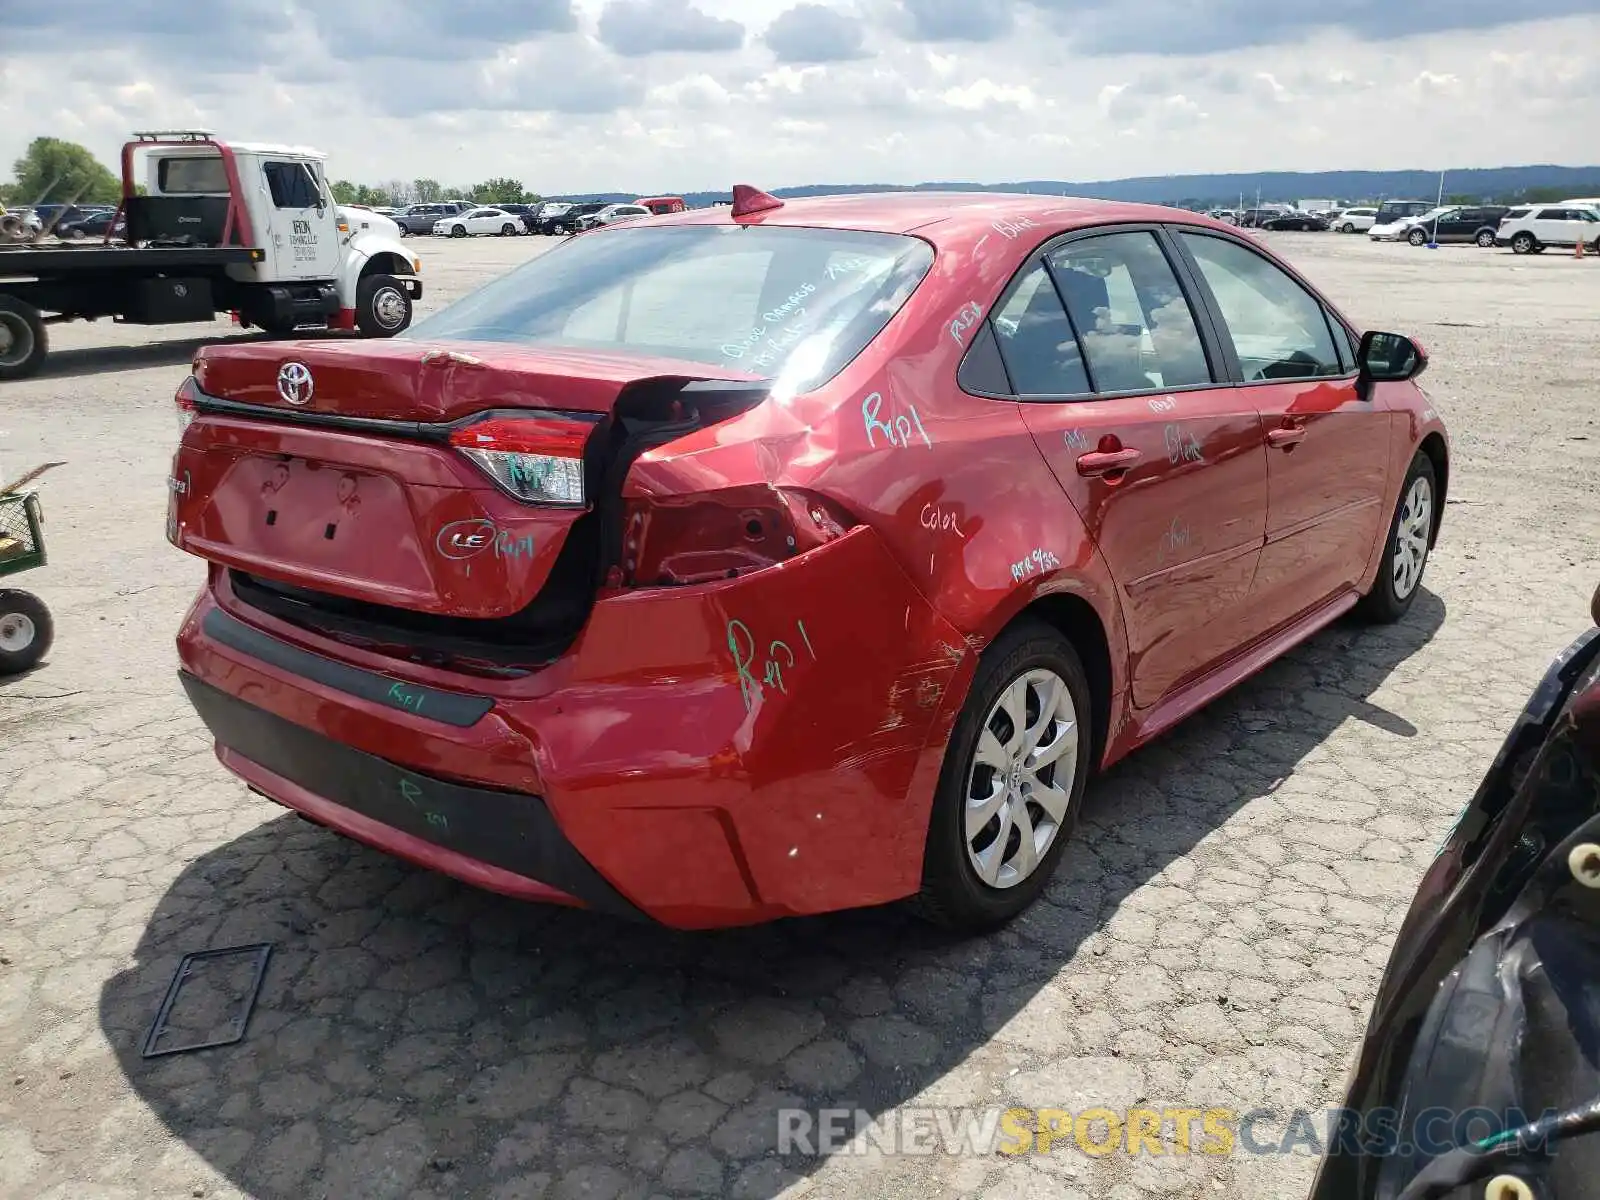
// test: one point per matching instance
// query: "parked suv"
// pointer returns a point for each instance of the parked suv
(1400, 210)
(1353, 220)
(562, 219)
(1458, 225)
(1529, 230)
(421, 218)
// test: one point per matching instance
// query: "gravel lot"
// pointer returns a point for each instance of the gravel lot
(1214, 937)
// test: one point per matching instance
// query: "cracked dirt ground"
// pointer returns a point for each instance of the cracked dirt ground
(1214, 938)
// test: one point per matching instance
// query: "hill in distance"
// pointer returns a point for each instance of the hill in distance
(1196, 191)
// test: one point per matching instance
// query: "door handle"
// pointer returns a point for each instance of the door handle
(1286, 438)
(1105, 462)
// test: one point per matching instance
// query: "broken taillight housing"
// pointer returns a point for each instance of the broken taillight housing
(675, 541)
(536, 459)
(188, 393)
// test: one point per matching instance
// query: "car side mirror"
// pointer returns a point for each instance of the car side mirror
(1388, 358)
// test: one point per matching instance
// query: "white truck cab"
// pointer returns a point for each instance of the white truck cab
(316, 264)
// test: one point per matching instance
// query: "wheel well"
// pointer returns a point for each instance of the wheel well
(1076, 620)
(387, 263)
(1433, 447)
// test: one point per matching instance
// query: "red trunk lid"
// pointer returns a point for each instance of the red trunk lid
(377, 513)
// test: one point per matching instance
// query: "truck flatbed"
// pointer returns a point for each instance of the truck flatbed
(36, 261)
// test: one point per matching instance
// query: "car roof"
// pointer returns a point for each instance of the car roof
(943, 215)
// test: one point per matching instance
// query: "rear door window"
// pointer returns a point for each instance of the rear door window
(1135, 325)
(1278, 329)
(1036, 341)
(751, 299)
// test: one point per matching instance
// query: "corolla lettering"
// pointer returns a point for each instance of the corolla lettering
(1181, 446)
(1012, 229)
(897, 430)
(1076, 439)
(1162, 404)
(1033, 563)
(465, 539)
(939, 519)
(969, 315)
(779, 656)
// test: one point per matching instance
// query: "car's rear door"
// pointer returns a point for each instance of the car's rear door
(1327, 447)
(1164, 463)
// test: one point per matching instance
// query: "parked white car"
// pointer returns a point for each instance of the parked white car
(1528, 229)
(1396, 231)
(611, 214)
(479, 221)
(1352, 220)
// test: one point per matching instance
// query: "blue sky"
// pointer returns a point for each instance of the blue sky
(666, 95)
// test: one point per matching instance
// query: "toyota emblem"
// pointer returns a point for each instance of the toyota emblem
(294, 382)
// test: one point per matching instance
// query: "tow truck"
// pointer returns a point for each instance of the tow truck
(250, 230)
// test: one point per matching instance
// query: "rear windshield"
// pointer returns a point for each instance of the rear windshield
(192, 176)
(746, 298)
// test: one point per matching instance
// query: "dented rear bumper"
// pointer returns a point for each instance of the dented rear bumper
(702, 756)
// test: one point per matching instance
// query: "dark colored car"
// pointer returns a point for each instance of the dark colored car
(1255, 218)
(563, 218)
(1481, 1064)
(1396, 210)
(548, 594)
(95, 225)
(1301, 221)
(1476, 224)
(54, 216)
(527, 212)
(420, 218)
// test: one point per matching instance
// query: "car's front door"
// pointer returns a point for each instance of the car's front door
(1166, 467)
(1327, 447)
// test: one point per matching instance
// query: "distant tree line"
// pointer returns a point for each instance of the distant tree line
(52, 170)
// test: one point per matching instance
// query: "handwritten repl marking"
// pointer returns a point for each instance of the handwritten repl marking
(1175, 538)
(1162, 404)
(1013, 229)
(968, 316)
(412, 794)
(466, 539)
(1035, 562)
(939, 520)
(742, 645)
(1076, 439)
(897, 431)
(1181, 446)
(406, 698)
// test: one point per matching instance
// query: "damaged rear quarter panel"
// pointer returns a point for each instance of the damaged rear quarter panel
(804, 702)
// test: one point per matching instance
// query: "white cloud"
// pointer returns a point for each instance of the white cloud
(540, 95)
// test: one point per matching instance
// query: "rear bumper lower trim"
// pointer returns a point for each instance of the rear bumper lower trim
(449, 708)
(511, 832)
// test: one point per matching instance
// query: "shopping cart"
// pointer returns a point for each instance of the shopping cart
(26, 629)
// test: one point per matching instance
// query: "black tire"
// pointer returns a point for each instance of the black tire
(561, 230)
(1347, 227)
(508, 230)
(23, 340)
(23, 616)
(1485, 238)
(952, 895)
(404, 232)
(383, 307)
(458, 231)
(1524, 243)
(1418, 237)
(1383, 605)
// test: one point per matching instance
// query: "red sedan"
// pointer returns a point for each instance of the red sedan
(787, 557)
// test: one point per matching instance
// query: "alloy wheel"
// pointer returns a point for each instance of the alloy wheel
(1019, 785)
(1411, 538)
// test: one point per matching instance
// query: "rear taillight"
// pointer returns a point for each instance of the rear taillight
(188, 394)
(536, 459)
